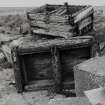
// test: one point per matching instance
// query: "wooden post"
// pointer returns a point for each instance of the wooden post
(17, 70)
(67, 12)
(24, 71)
(67, 8)
(46, 14)
(56, 68)
(29, 22)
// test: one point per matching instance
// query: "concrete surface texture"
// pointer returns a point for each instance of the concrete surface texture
(96, 96)
(89, 75)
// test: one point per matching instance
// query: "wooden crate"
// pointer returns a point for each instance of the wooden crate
(48, 64)
(61, 20)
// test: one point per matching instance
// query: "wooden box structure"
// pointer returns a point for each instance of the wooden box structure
(49, 63)
(61, 20)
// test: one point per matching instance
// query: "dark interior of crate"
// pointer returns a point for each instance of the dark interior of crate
(38, 66)
(72, 8)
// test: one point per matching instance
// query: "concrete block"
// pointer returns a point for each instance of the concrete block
(89, 75)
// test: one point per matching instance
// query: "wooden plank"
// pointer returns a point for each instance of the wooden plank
(58, 11)
(39, 85)
(85, 22)
(78, 16)
(43, 46)
(53, 33)
(68, 85)
(51, 26)
(83, 14)
(53, 18)
(38, 66)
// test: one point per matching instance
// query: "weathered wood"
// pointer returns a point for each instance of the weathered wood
(25, 78)
(56, 66)
(85, 23)
(51, 26)
(83, 14)
(17, 70)
(38, 66)
(44, 59)
(74, 20)
(39, 85)
(55, 33)
(69, 85)
(44, 46)
(41, 17)
(60, 11)
(78, 16)
(86, 29)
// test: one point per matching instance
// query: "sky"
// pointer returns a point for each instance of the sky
(34, 3)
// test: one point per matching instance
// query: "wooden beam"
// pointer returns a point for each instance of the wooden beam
(53, 18)
(83, 14)
(51, 26)
(33, 47)
(39, 85)
(53, 33)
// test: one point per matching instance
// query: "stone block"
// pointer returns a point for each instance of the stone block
(89, 75)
